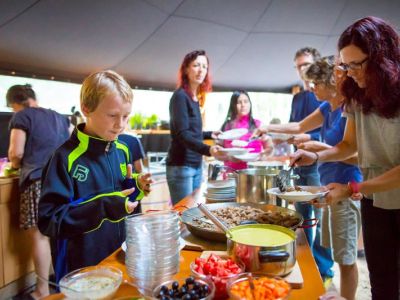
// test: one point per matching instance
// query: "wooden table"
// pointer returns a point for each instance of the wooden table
(312, 289)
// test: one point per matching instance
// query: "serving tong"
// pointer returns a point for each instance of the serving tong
(283, 178)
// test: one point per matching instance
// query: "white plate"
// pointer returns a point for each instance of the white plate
(315, 190)
(235, 151)
(239, 143)
(220, 184)
(280, 136)
(248, 156)
(181, 245)
(220, 196)
(233, 134)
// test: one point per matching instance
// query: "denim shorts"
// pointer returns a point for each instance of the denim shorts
(182, 181)
(341, 223)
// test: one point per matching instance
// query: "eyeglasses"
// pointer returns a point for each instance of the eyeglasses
(299, 67)
(352, 66)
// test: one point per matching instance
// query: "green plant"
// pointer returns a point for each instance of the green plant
(152, 121)
(136, 121)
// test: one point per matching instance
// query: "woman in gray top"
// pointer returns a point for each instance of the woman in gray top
(370, 54)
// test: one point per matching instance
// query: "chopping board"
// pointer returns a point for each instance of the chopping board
(295, 278)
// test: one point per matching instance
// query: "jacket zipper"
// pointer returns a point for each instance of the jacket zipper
(109, 164)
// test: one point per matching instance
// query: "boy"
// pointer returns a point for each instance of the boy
(85, 190)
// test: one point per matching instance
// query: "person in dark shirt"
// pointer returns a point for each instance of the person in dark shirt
(35, 134)
(184, 161)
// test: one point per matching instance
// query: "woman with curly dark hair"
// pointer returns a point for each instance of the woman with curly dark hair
(370, 54)
(184, 162)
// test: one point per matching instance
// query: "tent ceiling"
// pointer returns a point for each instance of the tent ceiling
(250, 43)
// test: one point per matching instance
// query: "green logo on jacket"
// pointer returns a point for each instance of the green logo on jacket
(80, 173)
(123, 169)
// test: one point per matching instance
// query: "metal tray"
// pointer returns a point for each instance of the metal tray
(210, 235)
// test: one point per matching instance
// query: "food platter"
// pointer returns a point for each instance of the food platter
(309, 193)
(235, 151)
(190, 214)
(280, 136)
(233, 134)
(248, 157)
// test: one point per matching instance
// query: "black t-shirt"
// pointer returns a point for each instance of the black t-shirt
(187, 136)
(45, 131)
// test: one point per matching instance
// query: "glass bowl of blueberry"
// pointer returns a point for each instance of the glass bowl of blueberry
(190, 288)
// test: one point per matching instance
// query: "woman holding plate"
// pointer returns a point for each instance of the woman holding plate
(341, 221)
(184, 162)
(240, 117)
(370, 54)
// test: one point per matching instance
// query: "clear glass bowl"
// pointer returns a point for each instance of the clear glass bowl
(96, 282)
(168, 284)
(258, 296)
(219, 281)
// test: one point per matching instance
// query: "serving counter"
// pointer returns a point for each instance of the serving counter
(312, 287)
(15, 255)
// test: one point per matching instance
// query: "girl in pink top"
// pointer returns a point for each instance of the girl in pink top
(240, 116)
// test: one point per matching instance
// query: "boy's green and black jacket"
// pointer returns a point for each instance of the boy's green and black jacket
(81, 205)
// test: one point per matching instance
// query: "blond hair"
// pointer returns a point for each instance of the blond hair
(101, 84)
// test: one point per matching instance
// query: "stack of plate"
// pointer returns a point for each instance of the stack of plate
(221, 191)
(152, 254)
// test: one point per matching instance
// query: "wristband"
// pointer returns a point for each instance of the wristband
(354, 187)
(317, 159)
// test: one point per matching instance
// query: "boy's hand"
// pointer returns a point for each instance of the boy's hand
(131, 205)
(144, 181)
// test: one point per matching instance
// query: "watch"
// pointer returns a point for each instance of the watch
(354, 187)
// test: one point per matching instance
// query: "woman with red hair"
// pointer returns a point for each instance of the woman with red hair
(184, 162)
(370, 54)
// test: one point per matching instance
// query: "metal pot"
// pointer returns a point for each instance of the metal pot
(272, 166)
(266, 256)
(252, 186)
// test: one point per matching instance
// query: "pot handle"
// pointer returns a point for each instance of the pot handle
(311, 223)
(273, 256)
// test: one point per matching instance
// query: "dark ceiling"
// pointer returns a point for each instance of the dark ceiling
(250, 42)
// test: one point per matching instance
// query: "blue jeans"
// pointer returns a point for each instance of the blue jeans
(323, 256)
(182, 181)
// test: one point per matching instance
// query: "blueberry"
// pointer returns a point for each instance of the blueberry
(197, 285)
(164, 298)
(187, 297)
(164, 288)
(184, 289)
(196, 297)
(190, 280)
(206, 289)
(171, 293)
(175, 285)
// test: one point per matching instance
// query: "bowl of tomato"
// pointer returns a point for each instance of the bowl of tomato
(217, 269)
